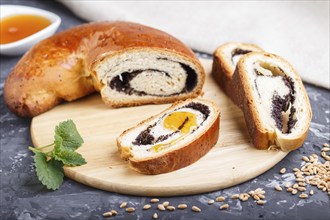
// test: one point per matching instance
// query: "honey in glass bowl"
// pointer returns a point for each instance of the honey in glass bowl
(17, 27)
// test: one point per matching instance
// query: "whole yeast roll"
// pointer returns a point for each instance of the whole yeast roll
(129, 64)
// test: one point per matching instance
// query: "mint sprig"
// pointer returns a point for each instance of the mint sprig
(50, 172)
(49, 164)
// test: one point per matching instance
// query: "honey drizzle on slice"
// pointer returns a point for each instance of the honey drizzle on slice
(179, 121)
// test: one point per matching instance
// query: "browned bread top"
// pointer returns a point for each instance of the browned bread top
(62, 66)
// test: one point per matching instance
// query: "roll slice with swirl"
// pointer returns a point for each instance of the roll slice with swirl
(128, 63)
(225, 59)
(274, 101)
(173, 139)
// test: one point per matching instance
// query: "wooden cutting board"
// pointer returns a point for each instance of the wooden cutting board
(232, 161)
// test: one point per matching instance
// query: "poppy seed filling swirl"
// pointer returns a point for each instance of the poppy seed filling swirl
(122, 82)
(146, 138)
(282, 106)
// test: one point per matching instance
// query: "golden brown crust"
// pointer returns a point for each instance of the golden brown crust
(169, 99)
(61, 67)
(181, 157)
(256, 131)
(222, 70)
(261, 137)
(118, 36)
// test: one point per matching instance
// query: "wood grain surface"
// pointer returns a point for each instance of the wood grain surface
(232, 161)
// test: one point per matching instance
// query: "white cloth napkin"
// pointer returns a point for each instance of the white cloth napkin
(296, 30)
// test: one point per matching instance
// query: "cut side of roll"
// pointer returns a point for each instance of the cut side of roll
(172, 139)
(225, 59)
(149, 75)
(274, 101)
(128, 63)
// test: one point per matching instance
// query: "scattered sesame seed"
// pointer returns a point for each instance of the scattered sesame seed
(325, 149)
(261, 202)
(295, 169)
(161, 207)
(170, 208)
(130, 209)
(146, 206)
(245, 198)
(182, 206)
(123, 205)
(107, 214)
(154, 200)
(300, 180)
(220, 199)
(304, 158)
(210, 202)
(303, 196)
(261, 196)
(278, 188)
(301, 188)
(224, 206)
(196, 209)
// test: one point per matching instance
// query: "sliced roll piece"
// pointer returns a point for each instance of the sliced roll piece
(274, 101)
(225, 59)
(172, 139)
(128, 63)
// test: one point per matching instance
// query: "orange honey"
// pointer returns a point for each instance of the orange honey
(17, 27)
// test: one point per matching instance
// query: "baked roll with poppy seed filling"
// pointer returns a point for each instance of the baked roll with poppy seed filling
(274, 101)
(128, 63)
(225, 59)
(172, 139)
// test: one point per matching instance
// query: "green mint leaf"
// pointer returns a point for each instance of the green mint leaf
(58, 143)
(69, 157)
(71, 139)
(50, 173)
(49, 166)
